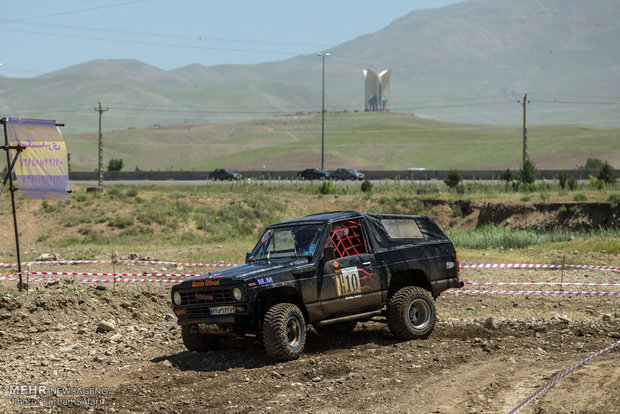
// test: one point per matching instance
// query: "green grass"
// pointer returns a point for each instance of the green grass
(496, 237)
(382, 141)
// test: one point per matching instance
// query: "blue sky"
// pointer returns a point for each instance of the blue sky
(41, 36)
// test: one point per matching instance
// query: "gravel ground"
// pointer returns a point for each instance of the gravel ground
(119, 349)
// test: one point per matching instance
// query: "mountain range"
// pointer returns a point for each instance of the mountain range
(470, 62)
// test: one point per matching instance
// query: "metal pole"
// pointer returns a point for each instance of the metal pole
(12, 190)
(100, 169)
(524, 129)
(323, 117)
(323, 54)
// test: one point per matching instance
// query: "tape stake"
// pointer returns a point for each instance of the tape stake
(561, 375)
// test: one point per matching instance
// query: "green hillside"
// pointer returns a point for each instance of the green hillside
(358, 140)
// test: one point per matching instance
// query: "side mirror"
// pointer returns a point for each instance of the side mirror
(247, 256)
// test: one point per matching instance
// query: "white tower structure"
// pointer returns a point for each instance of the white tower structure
(377, 90)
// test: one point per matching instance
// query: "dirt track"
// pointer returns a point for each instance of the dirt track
(470, 364)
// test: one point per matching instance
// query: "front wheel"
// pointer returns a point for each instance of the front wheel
(411, 313)
(284, 332)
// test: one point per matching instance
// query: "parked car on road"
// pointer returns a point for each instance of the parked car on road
(347, 174)
(224, 174)
(314, 174)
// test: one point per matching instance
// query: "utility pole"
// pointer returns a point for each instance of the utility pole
(323, 54)
(101, 111)
(525, 102)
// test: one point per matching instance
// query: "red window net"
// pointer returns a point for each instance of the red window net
(348, 239)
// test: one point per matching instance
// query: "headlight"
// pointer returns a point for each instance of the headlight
(176, 298)
(237, 294)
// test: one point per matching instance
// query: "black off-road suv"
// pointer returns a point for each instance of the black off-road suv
(323, 269)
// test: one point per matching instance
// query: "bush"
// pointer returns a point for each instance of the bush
(115, 165)
(592, 164)
(121, 222)
(572, 183)
(366, 186)
(596, 183)
(326, 187)
(506, 176)
(580, 197)
(606, 174)
(562, 177)
(527, 173)
(453, 179)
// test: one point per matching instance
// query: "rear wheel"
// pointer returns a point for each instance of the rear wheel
(284, 332)
(195, 341)
(411, 313)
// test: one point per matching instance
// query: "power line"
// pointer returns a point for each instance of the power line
(73, 11)
(147, 43)
(172, 35)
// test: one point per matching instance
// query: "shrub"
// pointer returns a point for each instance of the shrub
(115, 165)
(596, 183)
(606, 174)
(121, 222)
(132, 192)
(527, 173)
(592, 164)
(572, 183)
(562, 177)
(453, 179)
(366, 186)
(506, 176)
(44, 235)
(326, 187)
(580, 197)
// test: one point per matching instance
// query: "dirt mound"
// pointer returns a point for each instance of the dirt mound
(464, 214)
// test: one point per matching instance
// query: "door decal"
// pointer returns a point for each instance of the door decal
(348, 281)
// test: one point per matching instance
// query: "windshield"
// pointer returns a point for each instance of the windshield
(293, 242)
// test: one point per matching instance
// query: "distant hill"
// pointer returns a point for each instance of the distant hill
(375, 141)
(469, 62)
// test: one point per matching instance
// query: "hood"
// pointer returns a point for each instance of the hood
(249, 271)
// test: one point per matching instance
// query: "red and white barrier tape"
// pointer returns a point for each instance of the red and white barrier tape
(530, 292)
(118, 261)
(464, 266)
(54, 279)
(543, 283)
(558, 377)
(112, 274)
(535, 266)
(177, 264)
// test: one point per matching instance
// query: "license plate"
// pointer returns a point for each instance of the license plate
(222, 310)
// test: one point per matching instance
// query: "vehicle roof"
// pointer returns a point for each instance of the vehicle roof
(333, 216)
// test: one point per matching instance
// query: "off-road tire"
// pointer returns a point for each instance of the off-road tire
(284, 332)
(194, 341)
(411, 313)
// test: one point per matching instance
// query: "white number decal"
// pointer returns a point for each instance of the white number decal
(348, 281)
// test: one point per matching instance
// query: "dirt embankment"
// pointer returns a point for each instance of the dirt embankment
(467, 215)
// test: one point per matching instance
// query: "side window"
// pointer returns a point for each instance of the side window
(402, 228)
(348, 239)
